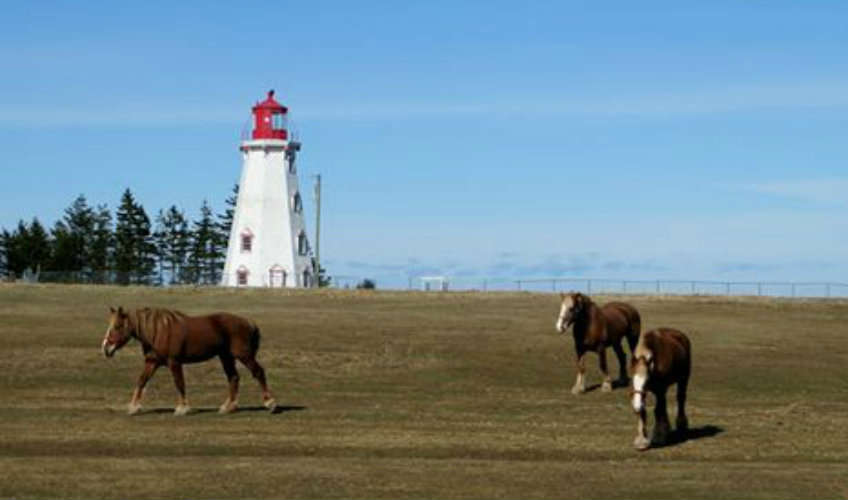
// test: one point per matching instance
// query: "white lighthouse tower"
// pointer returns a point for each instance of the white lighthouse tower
(268, 245)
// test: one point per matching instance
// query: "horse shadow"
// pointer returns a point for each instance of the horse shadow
(677, 437)
(616, 384)
(197, 411)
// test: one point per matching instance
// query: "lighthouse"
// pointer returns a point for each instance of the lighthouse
(268, 246)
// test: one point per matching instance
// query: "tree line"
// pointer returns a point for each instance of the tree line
(89, 244)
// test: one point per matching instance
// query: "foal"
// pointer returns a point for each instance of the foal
(172, 338)
(662, 358)
(595, 329)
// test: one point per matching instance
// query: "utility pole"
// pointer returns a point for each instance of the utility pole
(317, 281)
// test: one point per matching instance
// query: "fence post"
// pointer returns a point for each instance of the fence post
(793, 289)
(759, 289)
(518, 282)
(553, 285)
(727, 288)
(658, 286)
(827, 290)
(589, 286)
(623, 286)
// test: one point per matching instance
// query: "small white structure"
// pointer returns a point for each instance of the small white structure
(268, 245)
(439, 283)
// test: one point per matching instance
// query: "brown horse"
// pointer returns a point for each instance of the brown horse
(662, 358)
(171, 338)
(595, 329)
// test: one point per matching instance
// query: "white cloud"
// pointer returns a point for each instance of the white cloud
(830, 191)
(724, 99)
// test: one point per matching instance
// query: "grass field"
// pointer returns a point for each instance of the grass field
(400, 395)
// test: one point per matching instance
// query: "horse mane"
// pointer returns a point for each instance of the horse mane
(152, 320)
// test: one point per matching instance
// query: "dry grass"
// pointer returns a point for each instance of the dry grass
(399, 395)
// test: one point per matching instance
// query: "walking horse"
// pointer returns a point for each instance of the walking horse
(171, 338)
(662, 358)
(594, 329)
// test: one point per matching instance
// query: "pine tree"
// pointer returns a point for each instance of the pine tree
(102, 243)
(5, 238)
(225, 220)
(145, 255)
(15, 249)
(206, 254)
(134, 249)
(179, 244)
(37, 246)
(160, 241)
(72, 238)
(125, 241)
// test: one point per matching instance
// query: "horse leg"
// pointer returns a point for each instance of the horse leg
(259, 374)
(682, 423)
(229, 364)
(602, 357)
(150, 367)
(642, 442)
(622, 365)
(177, 372)
(580, 382)
(661, 425)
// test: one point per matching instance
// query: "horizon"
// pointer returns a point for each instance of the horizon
(475, 141)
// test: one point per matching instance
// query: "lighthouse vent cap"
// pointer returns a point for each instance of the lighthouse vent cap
(271, 104)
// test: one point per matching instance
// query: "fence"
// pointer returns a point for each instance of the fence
(669, 287)
(588, 285)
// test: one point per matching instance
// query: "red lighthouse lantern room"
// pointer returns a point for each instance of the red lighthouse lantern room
(269, 119)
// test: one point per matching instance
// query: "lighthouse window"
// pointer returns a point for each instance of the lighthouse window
(246, 242)
(278, 122)
(241, 277)
(302, 245)
(297, 204)
(290, 156)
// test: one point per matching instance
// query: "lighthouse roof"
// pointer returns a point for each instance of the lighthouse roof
(271, 104)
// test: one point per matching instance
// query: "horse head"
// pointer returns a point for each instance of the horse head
(120, 331)
(572, 307)
(641, 366)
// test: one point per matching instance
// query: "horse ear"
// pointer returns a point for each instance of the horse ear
(111, 309)
(121, 311)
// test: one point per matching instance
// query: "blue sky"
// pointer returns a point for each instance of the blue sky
(694, 140)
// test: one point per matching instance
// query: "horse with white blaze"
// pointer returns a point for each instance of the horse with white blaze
(662, 358)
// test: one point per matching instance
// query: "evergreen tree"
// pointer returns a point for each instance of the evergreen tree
(15, 249)
(134, 249)
(206, 256)
(225, 220)
(160, 241)
(145, 256)
(125, 241)
(38, 245)
(4, 269)
(100, 258)
(73, 237)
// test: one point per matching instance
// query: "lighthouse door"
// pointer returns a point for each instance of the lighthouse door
(277, 277)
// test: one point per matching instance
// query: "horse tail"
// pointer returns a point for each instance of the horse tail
(255, 337)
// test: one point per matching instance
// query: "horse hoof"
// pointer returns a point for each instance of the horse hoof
(641, 443)
(228, 408)
(606, 387)
(132, 409)
(180, 411)
(577, 391)
(271, 404)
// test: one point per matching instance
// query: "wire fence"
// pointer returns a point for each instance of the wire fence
(800, 289)
(655, 287)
